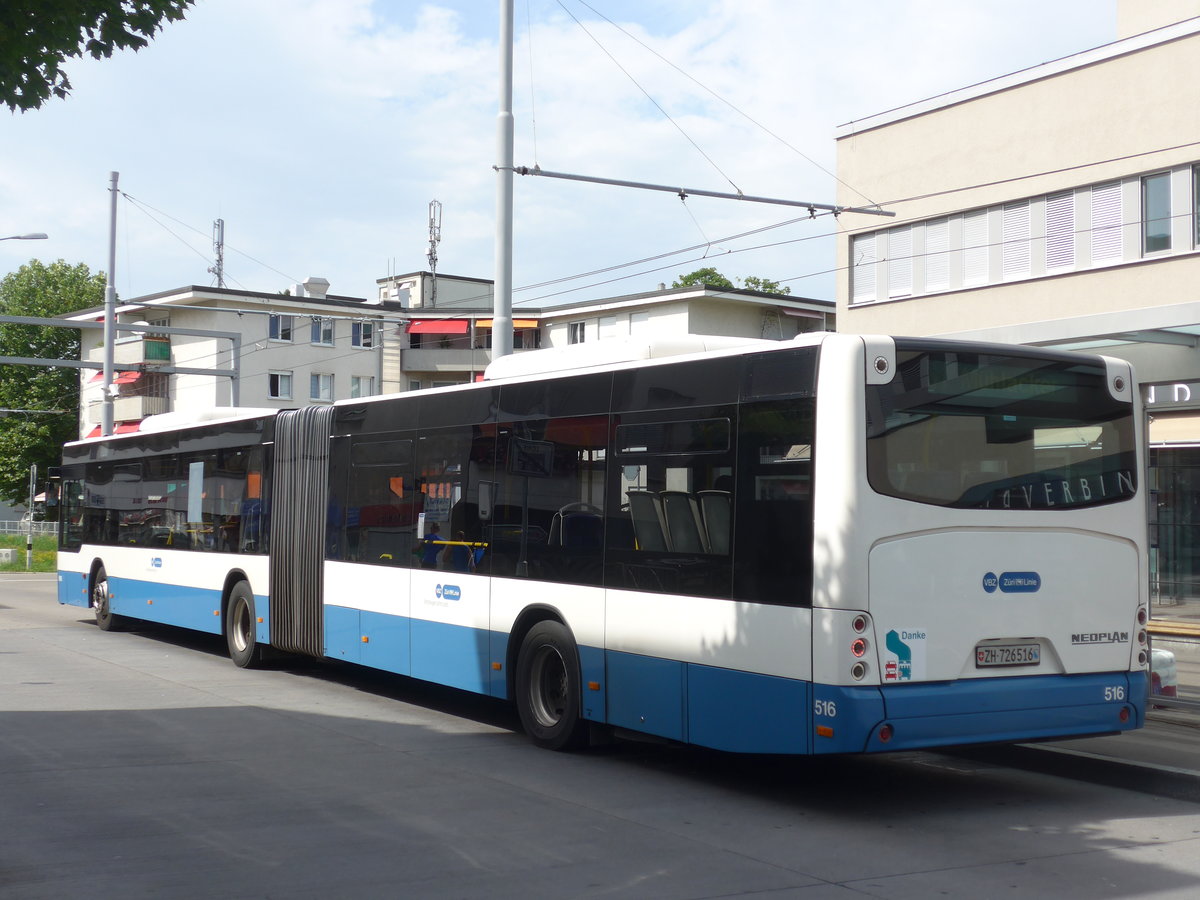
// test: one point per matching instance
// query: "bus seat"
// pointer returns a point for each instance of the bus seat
(645, 508)
(716, 509)
(685, 529)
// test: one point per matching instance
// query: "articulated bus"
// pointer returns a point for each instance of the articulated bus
(837, 544)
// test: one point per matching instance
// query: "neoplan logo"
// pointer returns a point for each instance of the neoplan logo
(1101, 637)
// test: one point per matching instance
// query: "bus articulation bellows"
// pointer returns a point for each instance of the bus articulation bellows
(836, 544)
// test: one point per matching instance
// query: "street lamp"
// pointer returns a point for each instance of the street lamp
(32, 236)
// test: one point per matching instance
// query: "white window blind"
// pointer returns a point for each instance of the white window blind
(862, 268)
(975, 249)
(1014, 253)
(1060, 231)
(937, 255)
(899, 257)
(1106, 222)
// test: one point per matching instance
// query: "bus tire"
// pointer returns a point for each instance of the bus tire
(106, 619)
(548, 687)
(240, 633)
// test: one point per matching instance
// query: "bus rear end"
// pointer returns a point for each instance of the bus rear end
(988, 581)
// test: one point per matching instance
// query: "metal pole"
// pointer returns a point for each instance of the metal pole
(502, 338)
(29, 537)
(110, 314)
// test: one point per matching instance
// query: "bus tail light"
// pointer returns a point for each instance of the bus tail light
(858, 671)
(1124, 714)
(860, 624)
(885, 733)
(858, 646)
(1141, 616)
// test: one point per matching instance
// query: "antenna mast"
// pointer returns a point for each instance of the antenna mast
(435, 238)
(219, 252)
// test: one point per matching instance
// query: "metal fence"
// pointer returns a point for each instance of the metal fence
(19, 527)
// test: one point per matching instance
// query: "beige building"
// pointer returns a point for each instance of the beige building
(1055, 206)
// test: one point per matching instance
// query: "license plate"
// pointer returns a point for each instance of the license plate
(1007, 655)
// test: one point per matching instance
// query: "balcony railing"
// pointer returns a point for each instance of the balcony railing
(128, 409)
(142, 350)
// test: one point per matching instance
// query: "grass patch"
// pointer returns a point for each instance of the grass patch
(45, 552)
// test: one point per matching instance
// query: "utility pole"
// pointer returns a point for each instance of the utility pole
(219, 252)
(502, 325)
(110, 313)
(29, 537)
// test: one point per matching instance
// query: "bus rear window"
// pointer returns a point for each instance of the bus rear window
(983, 431)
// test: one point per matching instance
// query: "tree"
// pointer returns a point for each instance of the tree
(36, 37)
(42, 291)
(710, 277)
(764, 285)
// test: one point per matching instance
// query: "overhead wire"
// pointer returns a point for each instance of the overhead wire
(736, 109)
(648, 96)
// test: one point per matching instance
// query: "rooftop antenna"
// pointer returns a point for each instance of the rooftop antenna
(435, 238)
(219, 252)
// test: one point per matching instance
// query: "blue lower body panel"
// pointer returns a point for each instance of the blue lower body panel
(73, 589)
(724, 709)
(170, 604)
(996, 709)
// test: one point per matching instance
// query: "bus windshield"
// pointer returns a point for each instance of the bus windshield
(977, 430)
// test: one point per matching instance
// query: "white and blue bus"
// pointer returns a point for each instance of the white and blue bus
(836, 544)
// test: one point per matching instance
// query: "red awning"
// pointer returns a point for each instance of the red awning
(516, 323)
(121, 428)
(439, 326)
(118, 378)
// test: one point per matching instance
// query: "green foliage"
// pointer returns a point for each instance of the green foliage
(36, 37)
(43, 291)
(710, 277)
(764, 285)
(45, 552)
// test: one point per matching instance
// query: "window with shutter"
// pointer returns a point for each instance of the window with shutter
(1014, 253)
(975, 248)
(937, 255)
(1106, 222)
(899, 259)
(1060, 231)
(862, 268)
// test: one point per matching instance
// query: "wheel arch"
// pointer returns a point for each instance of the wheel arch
(93, 571)
(231, 578)
(529, 616)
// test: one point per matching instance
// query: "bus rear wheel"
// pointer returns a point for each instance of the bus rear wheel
(106, 619)
(240, 633)
(548, 687)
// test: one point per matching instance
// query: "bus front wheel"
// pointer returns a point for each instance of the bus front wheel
(240, 633)
(106, 619)
(548, 687)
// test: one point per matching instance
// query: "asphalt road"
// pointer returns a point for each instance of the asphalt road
(145, 764)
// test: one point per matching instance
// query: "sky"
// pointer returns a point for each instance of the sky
(320, 130)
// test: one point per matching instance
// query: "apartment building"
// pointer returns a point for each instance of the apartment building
(1057, 206)
(279, 351)
(448, 339)
(306, 346)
